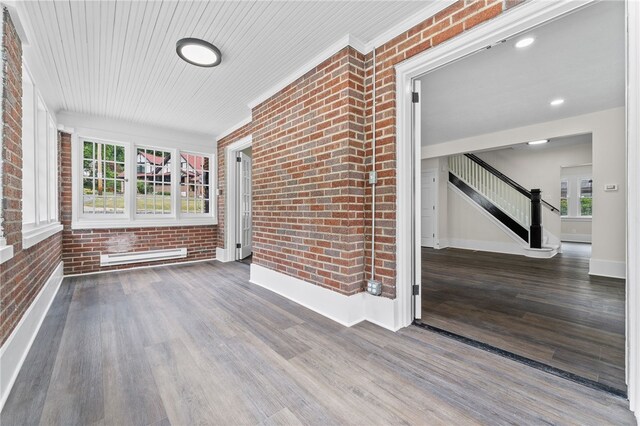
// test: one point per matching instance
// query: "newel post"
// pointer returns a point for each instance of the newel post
(535, 231)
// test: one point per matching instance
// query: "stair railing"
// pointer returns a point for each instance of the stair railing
(522, 205)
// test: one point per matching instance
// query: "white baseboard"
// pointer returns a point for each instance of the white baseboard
(608, 268)
(346, 310)
(159, 265)
(222, 255)
(15, 349)
(490, 246)
(576, 238)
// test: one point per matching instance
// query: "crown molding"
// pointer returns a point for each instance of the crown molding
(347, 40)
(413, 20)
(351, 40)
(233, 128)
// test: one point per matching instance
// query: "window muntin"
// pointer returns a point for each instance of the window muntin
(153, 182)
(152, 197)
(564, 199)
(195, 184)
(586, 197)
(103, 178)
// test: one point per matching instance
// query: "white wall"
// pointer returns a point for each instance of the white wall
(138, 133)
(608, 158)
(540, 166)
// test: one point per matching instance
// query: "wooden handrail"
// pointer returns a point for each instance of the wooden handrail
(506, 179)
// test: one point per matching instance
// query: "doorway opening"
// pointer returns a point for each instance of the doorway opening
(239, 227)
(522, 199)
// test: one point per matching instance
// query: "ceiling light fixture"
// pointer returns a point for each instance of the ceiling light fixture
(540, 142)
(527, 41)
(198, 52)
(556, 102)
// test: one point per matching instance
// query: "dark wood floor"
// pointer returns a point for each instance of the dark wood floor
(549, 310)
(198, 344)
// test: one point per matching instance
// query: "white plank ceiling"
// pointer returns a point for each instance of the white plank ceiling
(117, 60)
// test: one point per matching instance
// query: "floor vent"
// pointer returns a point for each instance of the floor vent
(142, 256)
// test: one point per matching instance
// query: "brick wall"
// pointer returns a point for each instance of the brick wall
(311, 153)
(21, 277)
(223, 143)
(308, 176)
(81, 248)
(437, 29)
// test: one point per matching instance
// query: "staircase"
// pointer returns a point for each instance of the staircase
(515, 208)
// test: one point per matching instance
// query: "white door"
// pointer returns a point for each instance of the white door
(428, 209)
(416, 257)
(244, 206)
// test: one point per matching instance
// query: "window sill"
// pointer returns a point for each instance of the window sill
(576, 218)
(141, 223)
(6, 253)
(33, 236)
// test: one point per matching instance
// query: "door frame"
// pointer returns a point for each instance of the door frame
(521, 18)
(230, 201)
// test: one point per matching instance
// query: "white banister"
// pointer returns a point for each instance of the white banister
(509, 200)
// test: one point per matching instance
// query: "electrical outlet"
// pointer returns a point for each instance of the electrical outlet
(374, 287)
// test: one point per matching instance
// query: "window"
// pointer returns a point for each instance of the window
(586, 198)
(576, 192)
(103, 178)
(39, 166)
(194, 184)
(153, 182)
(123, 184)
(564, 206)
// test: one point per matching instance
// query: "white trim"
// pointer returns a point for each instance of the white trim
(521, 18)
(407, 24)
(142, 256)
(111, 271)
(119, 223)
(222, 255)
(488, 246)
(346, 310)
(15, 349)
(575, 238)
(33, 236)
(633, 206)
(6, 253)
(233, 128)
(607, 268)
(230, 207)
(347, 40)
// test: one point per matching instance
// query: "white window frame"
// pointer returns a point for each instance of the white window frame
(140, 217)
(39, 230)
(573, 197)
(130, 219)
(115, 217)
(212, 191)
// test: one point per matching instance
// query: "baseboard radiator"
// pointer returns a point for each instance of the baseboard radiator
(142, 256)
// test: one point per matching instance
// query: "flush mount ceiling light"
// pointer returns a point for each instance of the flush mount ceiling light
(556, 102)
(198, 52)
(540, 142)
(527, 41)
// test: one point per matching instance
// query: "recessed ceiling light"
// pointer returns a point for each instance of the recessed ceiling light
(556, 102)
(198, 52)
(527, 41)
(540, 142)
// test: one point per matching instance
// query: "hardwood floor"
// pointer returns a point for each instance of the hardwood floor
(199, 344)
(549, 310)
